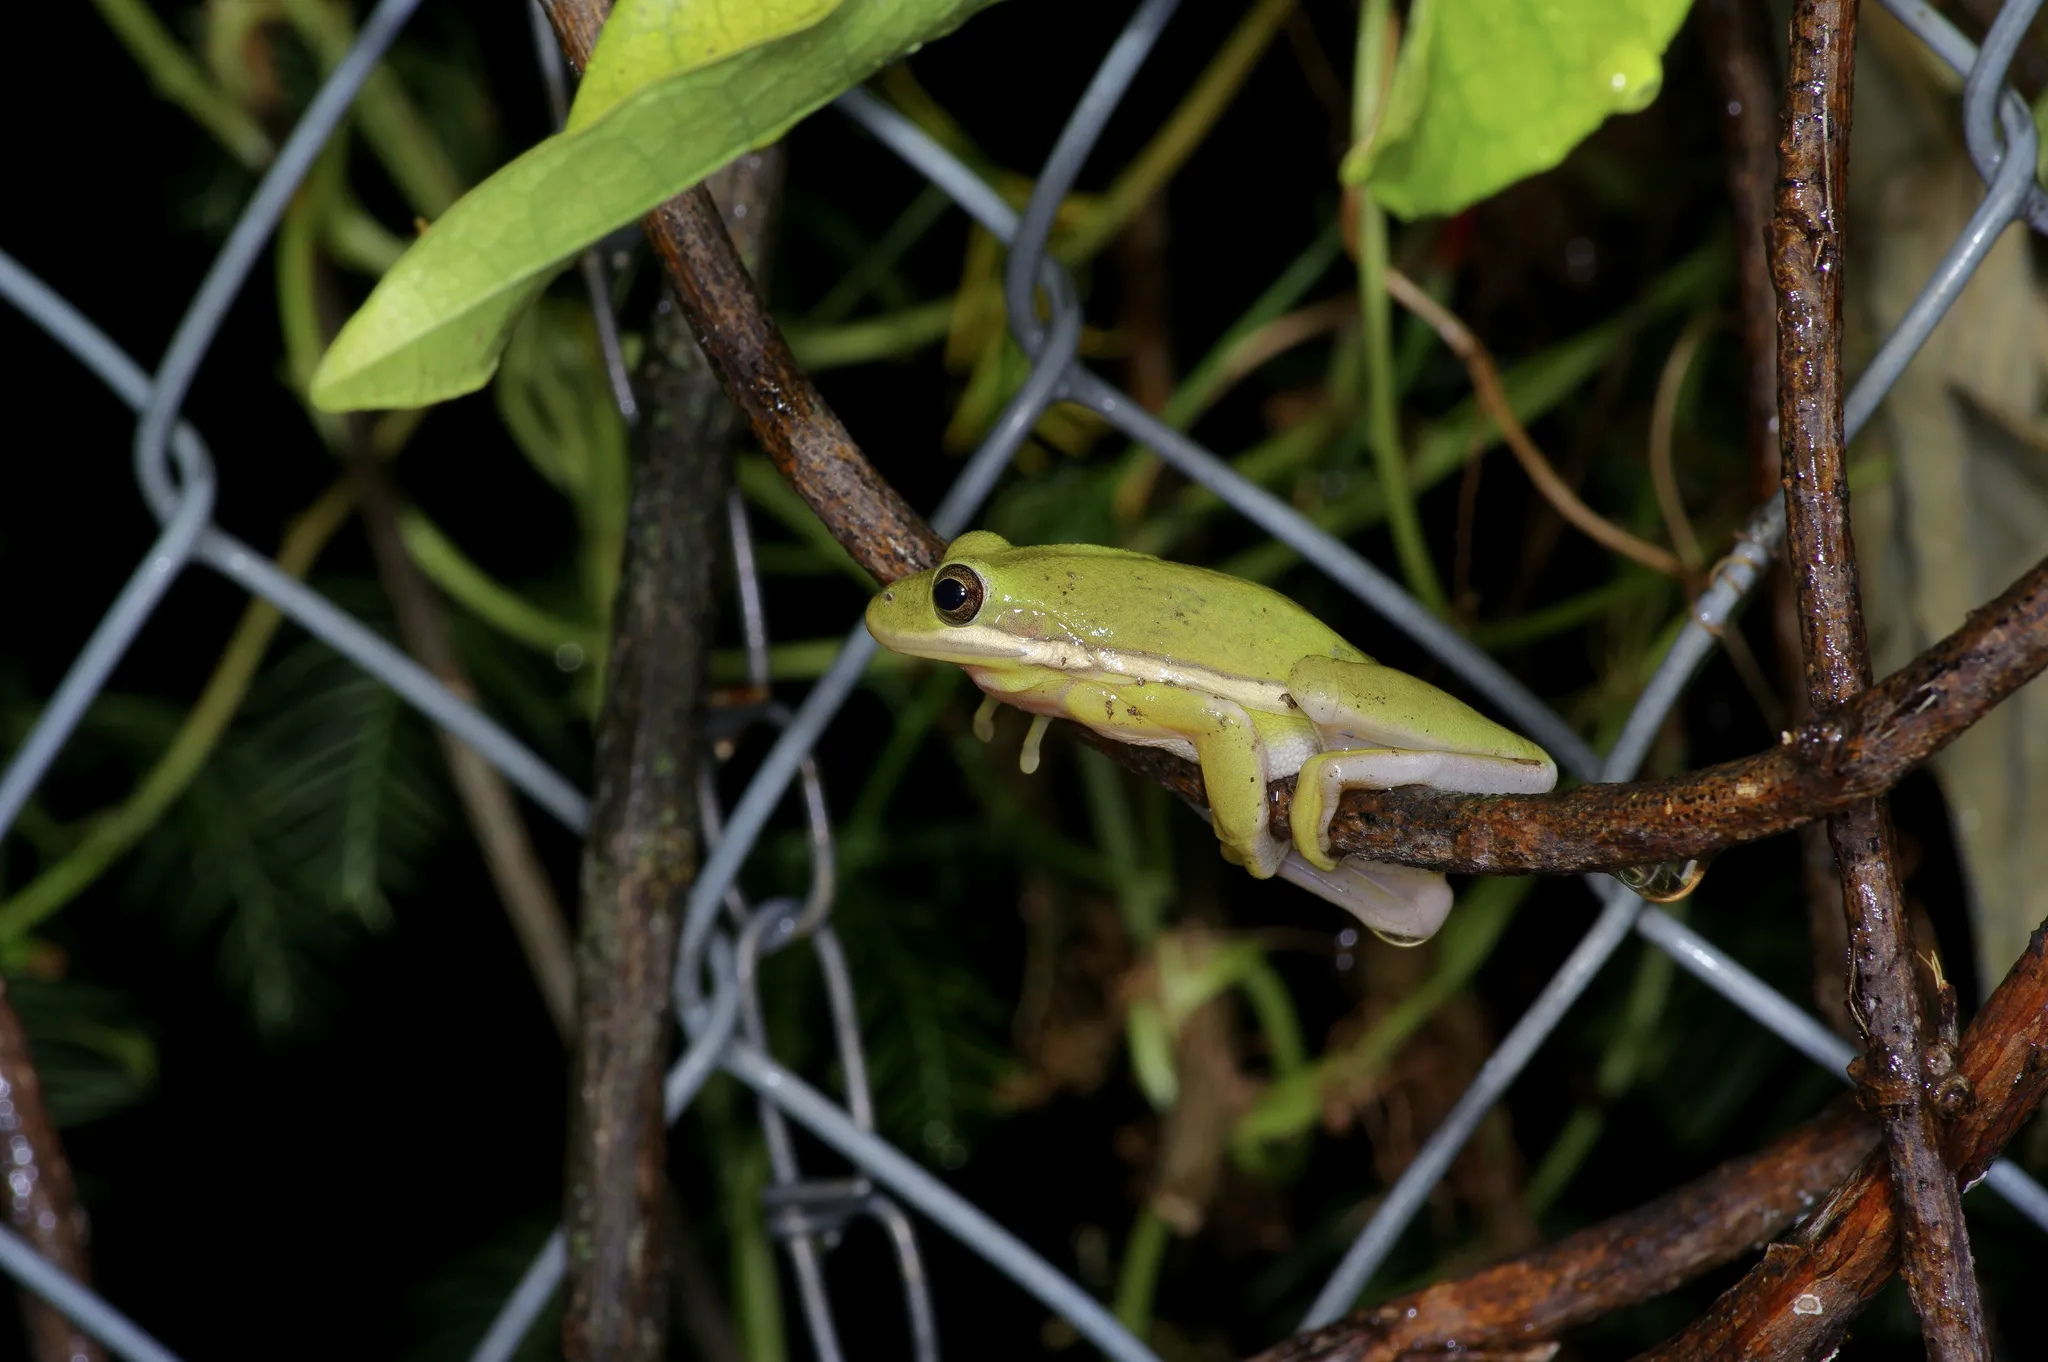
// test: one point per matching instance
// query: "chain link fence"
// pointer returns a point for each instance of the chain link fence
(725, 937)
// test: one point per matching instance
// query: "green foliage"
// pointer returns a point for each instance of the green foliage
(312, 820)
(934, 1033)
(93, 1057)
(315, 809)
(1485, 94)
(660, 121)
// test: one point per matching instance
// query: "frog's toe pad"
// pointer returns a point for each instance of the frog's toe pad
(1401, 905)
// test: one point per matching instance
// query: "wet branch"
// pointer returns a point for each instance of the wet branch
(1806, 260)
(1799, 1301)
(41, 1205)
(1632, 1257)
(800, 432)
(643, 850)
(1821, 769)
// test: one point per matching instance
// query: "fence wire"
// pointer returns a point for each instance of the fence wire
(725, 937)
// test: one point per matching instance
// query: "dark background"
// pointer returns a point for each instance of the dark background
(370, 1185)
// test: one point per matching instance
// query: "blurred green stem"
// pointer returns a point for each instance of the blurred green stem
(743, 1161)
(1141, 896)
(1138, 1279)
(1375, 315)
(1569, 613)
(469, 586)
(1628, 1052)
(1293, 1104)
(921, 216)
(912, 720)
(392, 126)
(178, 78)
(1182, 132)
(888, 336)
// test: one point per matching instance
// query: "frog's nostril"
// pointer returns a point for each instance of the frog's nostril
(888, 598)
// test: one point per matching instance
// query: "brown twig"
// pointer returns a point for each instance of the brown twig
(40, 1203)
(1266, 343)
(1800, 1299)
(1733, 31)
(1806, 259)
(1815, 771)
(801, 434)
(642, 853)
(1819, 769)
(639, 862)
(1629, 1258)
(1493, 400)
(1663, 426)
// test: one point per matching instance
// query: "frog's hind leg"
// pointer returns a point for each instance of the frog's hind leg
(1397, 903)
(1327, 775)
(1233, 757)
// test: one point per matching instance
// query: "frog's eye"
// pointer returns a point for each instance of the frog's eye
(957, 594)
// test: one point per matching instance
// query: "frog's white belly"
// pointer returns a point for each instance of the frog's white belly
(1287, 736)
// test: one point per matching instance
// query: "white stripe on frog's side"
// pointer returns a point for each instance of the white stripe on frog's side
(973, 645)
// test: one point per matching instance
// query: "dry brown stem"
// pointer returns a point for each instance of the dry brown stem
(1629, 1258)
(1801, 1298)
(1493, 400)
(1806, 265)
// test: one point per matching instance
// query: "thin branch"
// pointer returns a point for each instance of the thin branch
(1821, 768)
(41, 1205)
(1798, 1301)
(1802, 1297)
(1264, 344)
(1663, 426)
(800, 432)
(1493, 400)
(1806, 260)
(641, 858)
(1629, 1258)
(1733, 31)
(1859, 752)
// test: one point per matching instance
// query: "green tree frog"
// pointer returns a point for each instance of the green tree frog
(1225, 673)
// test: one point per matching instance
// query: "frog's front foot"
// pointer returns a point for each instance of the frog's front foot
(1399, 904)
(1263, 856)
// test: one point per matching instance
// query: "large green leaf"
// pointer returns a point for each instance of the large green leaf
(653, 125)
(1486, 93)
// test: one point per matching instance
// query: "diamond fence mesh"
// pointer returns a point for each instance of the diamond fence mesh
(726, 937)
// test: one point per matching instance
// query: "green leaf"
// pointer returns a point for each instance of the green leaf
(645, 42)
(1485, 94)
(434, 326)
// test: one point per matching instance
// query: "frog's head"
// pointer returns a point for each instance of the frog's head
(952, 612)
